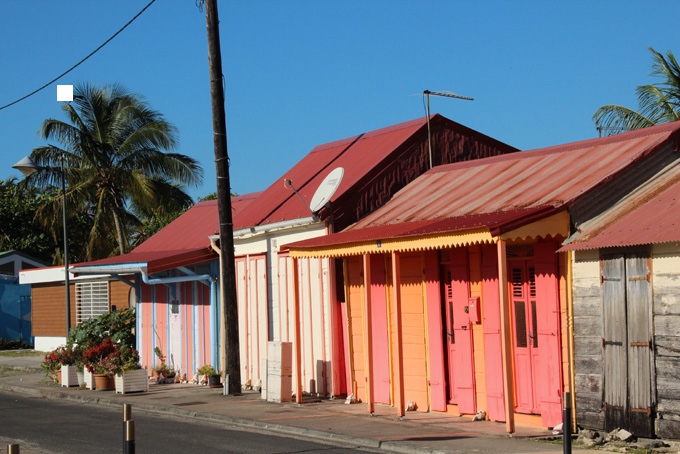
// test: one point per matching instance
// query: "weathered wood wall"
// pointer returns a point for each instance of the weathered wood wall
(587, 295)
(666, 300)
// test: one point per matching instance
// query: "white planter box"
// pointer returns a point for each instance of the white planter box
(132, 381)
(89, 379)
(68, 376)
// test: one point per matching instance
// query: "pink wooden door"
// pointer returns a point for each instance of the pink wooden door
(523, 302)
(493, 359)
(450, 339)
(381, 352)
(459, 332)
(549, 339)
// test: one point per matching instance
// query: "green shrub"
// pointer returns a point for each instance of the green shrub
(117, 325)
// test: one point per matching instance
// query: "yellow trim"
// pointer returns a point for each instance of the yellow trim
(412, 243)
(557, 224)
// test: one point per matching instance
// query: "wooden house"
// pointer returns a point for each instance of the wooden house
(375, 165)
(626, 287)
(455, 297)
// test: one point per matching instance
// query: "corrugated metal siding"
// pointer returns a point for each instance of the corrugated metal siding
(494, 187)
(552, 176)
(376, 164)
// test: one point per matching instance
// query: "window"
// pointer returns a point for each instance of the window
(92, 300)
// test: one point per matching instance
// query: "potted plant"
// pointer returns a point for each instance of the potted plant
(130, 377)
(212, 375)
(52, 365)
(161, 371)
(69, 359)
(101, 361)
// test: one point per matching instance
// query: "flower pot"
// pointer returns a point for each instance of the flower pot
(132, 381)
(214, 381)
(81, 378)
(56, 376)
(89, 379)
(68, 376)
(103, 382)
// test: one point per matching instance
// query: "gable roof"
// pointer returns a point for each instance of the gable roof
(183, 241)
(362, 157)
(540, 181)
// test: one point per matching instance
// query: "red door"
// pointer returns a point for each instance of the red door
(523, 287)
(459, 332)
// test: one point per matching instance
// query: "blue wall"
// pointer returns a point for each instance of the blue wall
(15, 310)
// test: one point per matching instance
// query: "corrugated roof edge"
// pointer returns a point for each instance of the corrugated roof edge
(672, 128)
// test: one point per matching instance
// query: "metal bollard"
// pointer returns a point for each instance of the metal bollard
(566, 423)
(127, 416)
(12, 449)
(130, 437)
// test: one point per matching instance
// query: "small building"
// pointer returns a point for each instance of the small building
(626, 286)
(375, 165)
(456, 298)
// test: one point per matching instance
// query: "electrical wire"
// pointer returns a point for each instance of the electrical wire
(81, 61)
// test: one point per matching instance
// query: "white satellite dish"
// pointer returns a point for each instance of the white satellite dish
(326, 189)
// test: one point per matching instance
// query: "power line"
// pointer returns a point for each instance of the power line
(81, 61)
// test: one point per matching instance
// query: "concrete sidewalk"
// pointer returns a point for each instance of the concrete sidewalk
(329, 420)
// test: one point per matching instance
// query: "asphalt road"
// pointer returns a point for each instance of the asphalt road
(45, 426)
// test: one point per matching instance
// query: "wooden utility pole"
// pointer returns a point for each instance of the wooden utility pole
(230, 307)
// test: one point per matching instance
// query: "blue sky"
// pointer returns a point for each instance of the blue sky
(300, 73)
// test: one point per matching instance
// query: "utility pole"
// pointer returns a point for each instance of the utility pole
(230, 307)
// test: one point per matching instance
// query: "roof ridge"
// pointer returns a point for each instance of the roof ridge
(562, 148)
(374, 133)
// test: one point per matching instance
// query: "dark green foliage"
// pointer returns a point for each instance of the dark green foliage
(117, 325)
(19, 229)
(17, 344)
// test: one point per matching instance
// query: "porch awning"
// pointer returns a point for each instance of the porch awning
(436, 234)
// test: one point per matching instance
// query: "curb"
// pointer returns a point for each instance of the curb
(239, 422)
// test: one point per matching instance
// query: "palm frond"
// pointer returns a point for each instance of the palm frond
(613, 116)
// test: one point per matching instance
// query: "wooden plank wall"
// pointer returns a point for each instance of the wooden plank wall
(666, 303)
(587, 295)
(48, 306)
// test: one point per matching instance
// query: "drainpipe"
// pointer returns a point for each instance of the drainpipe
(213, 319)
(223, 335)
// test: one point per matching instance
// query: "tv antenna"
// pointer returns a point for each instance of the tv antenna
(445, 94)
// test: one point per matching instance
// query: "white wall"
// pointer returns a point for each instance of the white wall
(47, 344)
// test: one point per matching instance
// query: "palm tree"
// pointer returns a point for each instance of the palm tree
(658, 103)
(114, 157)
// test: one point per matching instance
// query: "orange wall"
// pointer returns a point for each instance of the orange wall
(414, 333)
(354, 281)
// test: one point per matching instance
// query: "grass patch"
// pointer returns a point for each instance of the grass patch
(16, 354)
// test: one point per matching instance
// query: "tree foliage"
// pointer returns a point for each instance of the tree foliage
(116, 157)
(658, 103)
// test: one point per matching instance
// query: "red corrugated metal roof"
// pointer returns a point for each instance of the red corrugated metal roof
(183, 241)
(657, 221)
(357, 155)
(531, 179)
